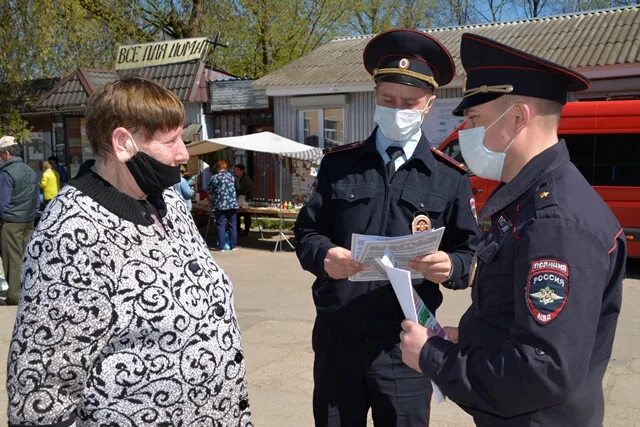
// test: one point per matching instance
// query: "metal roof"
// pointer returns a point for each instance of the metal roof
(184, 79)
(579, 40)
(188, 80)
(75, 89)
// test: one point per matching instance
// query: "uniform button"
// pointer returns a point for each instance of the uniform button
(244, 403)
(540, 352)
(219, 310)
(194, 267)
(238, 357)
(351, 196)
(422, 205)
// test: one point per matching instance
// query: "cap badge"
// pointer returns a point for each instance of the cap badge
(404, 63)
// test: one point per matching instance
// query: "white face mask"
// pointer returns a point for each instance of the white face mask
(482, 161)
(398, 125)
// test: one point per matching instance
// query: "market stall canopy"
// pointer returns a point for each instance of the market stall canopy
(264, 142)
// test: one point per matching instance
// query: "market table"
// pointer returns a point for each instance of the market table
(259, 214)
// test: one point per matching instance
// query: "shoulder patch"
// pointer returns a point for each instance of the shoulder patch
(438, 154)
(547, 289)
(345, 147)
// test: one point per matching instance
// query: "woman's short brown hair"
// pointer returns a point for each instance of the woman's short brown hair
(135, 103)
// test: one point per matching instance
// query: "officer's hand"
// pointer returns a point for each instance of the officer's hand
(452, 334)
(412, 338)
(339, 265)
(435, 267)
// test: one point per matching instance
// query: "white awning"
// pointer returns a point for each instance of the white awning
(264, 142)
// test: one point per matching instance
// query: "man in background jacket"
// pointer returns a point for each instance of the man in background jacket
(18, 199)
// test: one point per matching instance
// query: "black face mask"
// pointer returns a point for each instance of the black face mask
(151, 175)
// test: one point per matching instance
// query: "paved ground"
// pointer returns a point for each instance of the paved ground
(273, 301)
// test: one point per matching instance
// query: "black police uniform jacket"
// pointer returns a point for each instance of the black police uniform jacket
(535, 343)
(354, 195)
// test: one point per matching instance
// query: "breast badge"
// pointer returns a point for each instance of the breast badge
(420, 223)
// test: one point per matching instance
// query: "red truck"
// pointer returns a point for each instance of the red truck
(603, 138)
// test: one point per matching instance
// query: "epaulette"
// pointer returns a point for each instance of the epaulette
(340, 148)
(545, 196)
(449, 160)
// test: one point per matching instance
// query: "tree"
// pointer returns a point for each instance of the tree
(495, 9)
(42, 38)
(568, 6)
(533, 8)
(164, 18)
(266, 34)
(458, 12)
(374, 16)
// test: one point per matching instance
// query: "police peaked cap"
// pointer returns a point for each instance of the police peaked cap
(408, 57)
(494, 69)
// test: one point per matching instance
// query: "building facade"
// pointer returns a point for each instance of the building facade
(327, 98)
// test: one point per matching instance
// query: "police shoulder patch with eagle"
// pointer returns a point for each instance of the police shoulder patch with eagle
(547, 288)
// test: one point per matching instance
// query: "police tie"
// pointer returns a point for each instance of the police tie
(393, 151)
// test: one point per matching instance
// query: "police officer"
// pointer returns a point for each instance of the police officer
(547, 278)
(370, 189)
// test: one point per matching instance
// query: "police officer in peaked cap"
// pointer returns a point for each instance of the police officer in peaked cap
(547, 278)
(392, 184)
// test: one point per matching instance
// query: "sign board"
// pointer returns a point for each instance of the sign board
(236, 95)
(439, 123)
(160, 53)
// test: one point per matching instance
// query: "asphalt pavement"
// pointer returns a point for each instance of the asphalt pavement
(275, 311)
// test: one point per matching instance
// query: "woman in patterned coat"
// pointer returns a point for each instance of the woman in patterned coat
(125, 319)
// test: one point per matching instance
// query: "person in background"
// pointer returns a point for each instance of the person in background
(533, 348)
(224, 204)
(245, 194)
(384, 186)
(62, 171)
(18, 198)
(125, 318)
(184, 189)
(49, 183)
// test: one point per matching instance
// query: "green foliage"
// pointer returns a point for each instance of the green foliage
(47, 38)
(13, 124)
(274, 224)
(14, 98)
(264, 35)
(373, 16)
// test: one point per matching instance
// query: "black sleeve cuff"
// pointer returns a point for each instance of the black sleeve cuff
(432, 355)
(455, 281)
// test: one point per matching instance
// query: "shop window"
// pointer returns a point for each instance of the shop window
(322, 128)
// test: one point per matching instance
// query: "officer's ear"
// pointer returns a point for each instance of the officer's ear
(523, 114)
(430, 101)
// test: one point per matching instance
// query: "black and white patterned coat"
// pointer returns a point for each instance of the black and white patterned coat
(123, 322)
